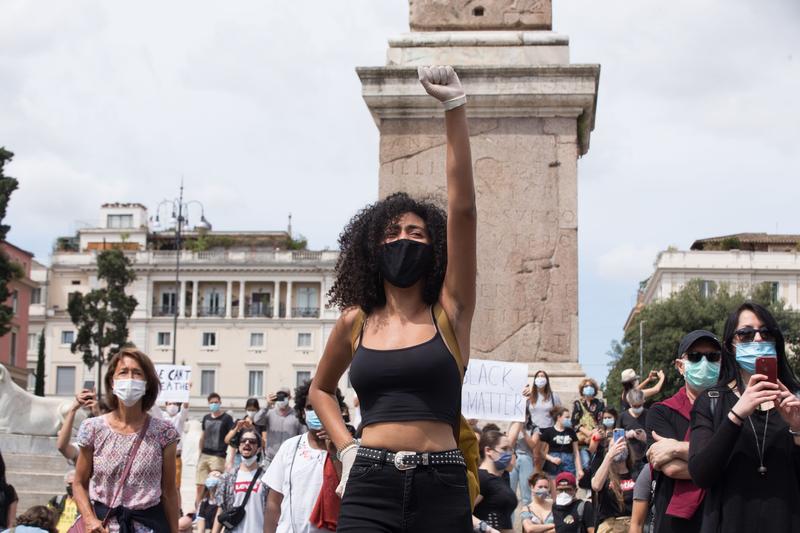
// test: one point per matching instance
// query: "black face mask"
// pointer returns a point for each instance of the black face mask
(69, 491)
(404, 262)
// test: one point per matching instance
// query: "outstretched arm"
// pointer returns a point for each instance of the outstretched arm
(458, 296)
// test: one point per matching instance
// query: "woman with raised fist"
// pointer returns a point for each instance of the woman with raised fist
(405, 282)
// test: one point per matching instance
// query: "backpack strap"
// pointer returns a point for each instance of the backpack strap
(581, 506)
(357, 330)
(442, 323)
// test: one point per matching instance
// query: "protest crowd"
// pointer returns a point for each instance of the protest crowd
(720, 455)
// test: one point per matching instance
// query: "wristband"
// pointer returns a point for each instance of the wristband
(734, 413)
(455, 102)
(794, 433)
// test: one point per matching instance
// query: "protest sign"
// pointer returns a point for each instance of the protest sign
(175, 381)
(492, 390)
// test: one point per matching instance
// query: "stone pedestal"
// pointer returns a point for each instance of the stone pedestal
(531, 113)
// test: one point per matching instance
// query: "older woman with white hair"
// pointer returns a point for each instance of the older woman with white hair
(635, 416)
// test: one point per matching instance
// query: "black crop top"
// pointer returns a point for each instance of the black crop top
(421, 382)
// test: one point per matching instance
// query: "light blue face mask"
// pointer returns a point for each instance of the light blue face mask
(748, 352)
(567, 423)
(588, 391)
(700, 375)
(313, 421)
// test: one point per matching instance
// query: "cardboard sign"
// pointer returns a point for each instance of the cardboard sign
(175, 381)
(493, 390)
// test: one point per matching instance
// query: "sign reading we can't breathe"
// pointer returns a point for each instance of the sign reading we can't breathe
(175, 381)
(492, 390)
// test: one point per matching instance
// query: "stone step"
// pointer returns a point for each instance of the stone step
(20, 462)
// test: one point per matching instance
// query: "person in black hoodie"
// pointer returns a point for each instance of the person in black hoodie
(744, 446)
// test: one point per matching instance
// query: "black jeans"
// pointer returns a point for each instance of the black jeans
(380, 498)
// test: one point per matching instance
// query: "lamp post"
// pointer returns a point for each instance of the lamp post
(180, 207)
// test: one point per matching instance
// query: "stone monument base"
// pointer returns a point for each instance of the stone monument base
(34, 467)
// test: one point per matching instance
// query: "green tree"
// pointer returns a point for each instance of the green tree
(39, 374)
(101, 315)
(8, 269)
(693, 307)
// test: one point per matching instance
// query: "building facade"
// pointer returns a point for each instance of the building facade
(251, 314)
(740, 261)
(14, 344)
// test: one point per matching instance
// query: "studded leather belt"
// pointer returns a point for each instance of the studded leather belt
(408, 460)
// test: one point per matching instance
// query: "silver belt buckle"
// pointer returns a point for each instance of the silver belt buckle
(398, 460)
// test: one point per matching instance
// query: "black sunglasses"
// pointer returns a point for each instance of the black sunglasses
(747, 334)
(248, 441)
(711, 357)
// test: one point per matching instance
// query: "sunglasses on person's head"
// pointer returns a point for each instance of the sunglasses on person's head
(747, 334)
(711, 357)
(248, 441)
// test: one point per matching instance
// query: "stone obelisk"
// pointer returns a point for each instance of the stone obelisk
(531, 113)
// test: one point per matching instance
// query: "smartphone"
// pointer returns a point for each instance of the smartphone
(619, 434)
(769, 367)
(88, 384)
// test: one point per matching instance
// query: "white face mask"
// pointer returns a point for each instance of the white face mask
(249, 460)
(172, 409)
(251, 414)
(129, 391)
(637, 410)
(283, 404)
(562, 498)
(540, 382)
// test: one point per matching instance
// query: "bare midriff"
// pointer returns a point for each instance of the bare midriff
(412, 436)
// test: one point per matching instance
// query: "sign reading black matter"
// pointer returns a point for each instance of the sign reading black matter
(492, 390)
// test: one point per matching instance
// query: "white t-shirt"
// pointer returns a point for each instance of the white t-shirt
(254, 511)
(178, 421)
(306, 482)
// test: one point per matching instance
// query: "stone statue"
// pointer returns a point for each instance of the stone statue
(24, 413)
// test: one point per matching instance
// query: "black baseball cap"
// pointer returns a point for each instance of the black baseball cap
(693, 337)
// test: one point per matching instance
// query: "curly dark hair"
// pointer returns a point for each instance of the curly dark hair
(358, 278)
(39, 516)
(301, 398)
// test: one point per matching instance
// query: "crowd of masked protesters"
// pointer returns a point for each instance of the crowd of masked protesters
(720, 455)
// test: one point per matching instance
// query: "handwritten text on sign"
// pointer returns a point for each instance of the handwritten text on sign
(174, 383)
(493, 390)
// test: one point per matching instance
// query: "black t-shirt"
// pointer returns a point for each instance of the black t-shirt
(559, 441)
(7, 497)
(499, 501)
(629, 422)
(207, 511)
(568, 520)
(607, 503)
(670, 425)
(214, 431)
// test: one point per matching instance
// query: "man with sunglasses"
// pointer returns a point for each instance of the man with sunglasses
(677, 501)
(234, 486)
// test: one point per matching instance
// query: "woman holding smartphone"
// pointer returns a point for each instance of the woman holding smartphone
(744, 446)
(405, 279)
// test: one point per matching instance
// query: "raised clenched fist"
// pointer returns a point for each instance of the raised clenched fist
(442, 83)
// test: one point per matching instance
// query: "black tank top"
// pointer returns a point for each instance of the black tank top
(421, 382)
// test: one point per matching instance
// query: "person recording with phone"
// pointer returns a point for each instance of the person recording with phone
(279, 421)
(744, 446)
(613, 482)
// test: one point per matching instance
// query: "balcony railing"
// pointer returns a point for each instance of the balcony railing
(164, 310)
(211, 310)
(260, 310)
(305, 312)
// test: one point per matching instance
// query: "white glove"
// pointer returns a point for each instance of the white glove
(348, 457)
(443, 84)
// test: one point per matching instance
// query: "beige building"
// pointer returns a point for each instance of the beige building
(741, 261)
(251, 313)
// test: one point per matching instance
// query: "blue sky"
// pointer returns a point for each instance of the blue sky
(258, 106)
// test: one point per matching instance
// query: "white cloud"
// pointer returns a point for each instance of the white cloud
(627, 262)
